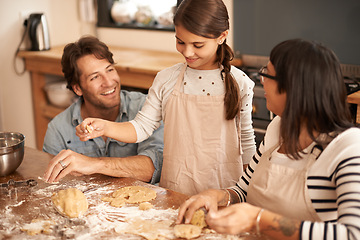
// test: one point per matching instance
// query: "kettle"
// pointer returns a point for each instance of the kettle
(38, 31)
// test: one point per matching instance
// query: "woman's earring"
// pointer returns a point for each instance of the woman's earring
(220, 42)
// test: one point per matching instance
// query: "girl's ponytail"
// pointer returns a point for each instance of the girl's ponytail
(232, 92)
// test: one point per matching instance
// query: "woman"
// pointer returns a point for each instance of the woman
(205, 104)
(304, 181)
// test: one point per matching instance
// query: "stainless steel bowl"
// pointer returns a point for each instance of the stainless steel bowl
(11, 152)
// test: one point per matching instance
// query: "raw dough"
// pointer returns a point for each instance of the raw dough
(38, 226)
(89, 128)
(198, 219)
(70, 202)
(131, 194)
(145, 206)
(187, 231)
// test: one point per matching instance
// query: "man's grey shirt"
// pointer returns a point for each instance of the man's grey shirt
(61, 135)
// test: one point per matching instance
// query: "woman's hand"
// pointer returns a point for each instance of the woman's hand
(208, 199)
(91, 128)
(235, 219)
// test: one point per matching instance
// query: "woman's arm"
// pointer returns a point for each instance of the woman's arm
(244, 217)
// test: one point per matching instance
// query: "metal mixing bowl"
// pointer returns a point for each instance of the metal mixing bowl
(11, 152)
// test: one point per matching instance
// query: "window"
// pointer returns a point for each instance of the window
(137, 14)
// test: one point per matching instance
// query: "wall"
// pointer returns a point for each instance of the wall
(260, 25)
(16, 111)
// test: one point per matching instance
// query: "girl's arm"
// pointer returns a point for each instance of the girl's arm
(94, 127)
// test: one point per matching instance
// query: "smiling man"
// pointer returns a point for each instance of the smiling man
(88, 67)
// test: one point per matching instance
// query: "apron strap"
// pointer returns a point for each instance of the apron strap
(180, 78)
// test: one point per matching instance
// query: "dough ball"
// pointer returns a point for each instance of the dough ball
(70, 202)
(187, 231)
(145, 206)
(135, 194)
(198, 219)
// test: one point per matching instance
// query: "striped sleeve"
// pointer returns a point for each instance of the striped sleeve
(342, 212)
(242, 185)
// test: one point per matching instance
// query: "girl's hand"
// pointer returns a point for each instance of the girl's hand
(235, 219)
(91, 128)
(207, 199)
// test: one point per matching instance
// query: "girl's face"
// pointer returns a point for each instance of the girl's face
(275, 101)
(199, 52)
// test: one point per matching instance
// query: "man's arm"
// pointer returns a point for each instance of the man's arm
(139, 167)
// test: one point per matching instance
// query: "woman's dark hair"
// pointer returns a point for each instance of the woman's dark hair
(209, 18)
(310, 75)
(87, 45)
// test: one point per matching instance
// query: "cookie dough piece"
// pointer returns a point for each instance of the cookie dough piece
(187, 231)
(135, 194)
(118, 202)
(89, 128)
(38, 226)
(198, 219)
(70, 202)
(145, 206)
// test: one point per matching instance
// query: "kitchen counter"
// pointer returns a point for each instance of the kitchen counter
(22, 205)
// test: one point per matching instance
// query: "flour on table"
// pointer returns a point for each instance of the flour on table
(149, 228)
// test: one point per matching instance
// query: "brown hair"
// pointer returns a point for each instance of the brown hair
(311, 76)
(209, 18)
(86, 45)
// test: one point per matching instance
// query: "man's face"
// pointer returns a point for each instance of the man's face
(99, 83)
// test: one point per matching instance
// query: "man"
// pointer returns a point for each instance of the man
(88, 67)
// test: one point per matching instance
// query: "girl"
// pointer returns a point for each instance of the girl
(205, 104)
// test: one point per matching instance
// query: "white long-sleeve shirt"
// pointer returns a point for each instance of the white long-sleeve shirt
(333, 183)
(196, 82)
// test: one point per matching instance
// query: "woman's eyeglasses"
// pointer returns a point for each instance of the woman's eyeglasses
(263, 72)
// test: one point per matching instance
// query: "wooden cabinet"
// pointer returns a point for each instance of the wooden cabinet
(355, 99)
(137, 68)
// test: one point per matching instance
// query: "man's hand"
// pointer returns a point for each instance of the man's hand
(69, 162)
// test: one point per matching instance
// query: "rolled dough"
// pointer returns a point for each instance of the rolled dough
(130, 194)
(70, 202)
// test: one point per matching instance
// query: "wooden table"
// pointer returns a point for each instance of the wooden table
(354, 98)
(19, 206)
